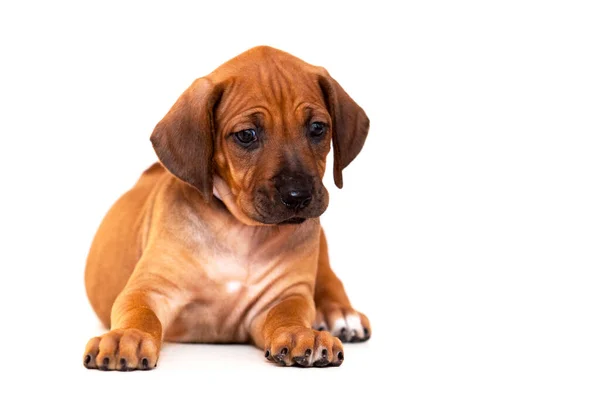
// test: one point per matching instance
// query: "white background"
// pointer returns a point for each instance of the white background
(468, 228)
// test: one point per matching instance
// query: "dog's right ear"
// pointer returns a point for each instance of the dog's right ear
(183, 139)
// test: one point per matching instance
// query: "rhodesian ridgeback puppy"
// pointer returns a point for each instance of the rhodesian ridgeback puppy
(220, 242)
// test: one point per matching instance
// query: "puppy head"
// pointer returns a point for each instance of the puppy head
(257, 131)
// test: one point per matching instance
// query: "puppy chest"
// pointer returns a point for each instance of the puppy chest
(235, 277)
(212, 320)
(222, 302)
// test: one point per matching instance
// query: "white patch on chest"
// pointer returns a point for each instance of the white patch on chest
(233, 286)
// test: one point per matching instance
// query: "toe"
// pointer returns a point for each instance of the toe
(344, 334)
(366, 324)
(289, 342)
(305, 359)
(91, 351)
(106, 358)
(128, 352)
(324, 357)
(148, 354)
(355, 331)
(304, 342)
(323, 353)
(338, 353)
(281, 355)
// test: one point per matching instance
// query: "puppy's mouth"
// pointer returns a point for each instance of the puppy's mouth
(292, 221)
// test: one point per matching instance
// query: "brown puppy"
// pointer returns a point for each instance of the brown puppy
(221, 241)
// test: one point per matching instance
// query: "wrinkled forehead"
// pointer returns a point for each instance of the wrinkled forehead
(276, 84)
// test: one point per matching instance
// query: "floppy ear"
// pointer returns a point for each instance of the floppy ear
(183, 139)
(350, 125)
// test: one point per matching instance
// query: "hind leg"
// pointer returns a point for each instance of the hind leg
(334, 311)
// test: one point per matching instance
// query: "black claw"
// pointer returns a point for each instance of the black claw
(307, 353)
(366, 333)
(340, 356)
(104, 365)
(324, 353)
(145, 362)
(321, 328)
(284, 351)
(87, 360)
(267, 354)
(343, 332)
(122, 361)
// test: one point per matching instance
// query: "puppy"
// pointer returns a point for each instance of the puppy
(220, 242)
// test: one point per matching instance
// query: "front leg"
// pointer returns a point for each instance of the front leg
(138, 317)
(289, 340)
(334, 311)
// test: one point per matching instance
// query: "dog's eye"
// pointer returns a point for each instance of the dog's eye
(246, 137)
(317, 129)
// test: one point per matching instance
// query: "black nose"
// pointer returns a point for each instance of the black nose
(295, 190)
(296, 198)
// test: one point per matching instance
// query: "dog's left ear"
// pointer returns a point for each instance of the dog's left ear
(183, 139)
(350, 124)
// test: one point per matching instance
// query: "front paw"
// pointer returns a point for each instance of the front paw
(343, 322)
(304, 347)
(122, 350)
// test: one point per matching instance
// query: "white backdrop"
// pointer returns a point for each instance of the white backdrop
(468, 229)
